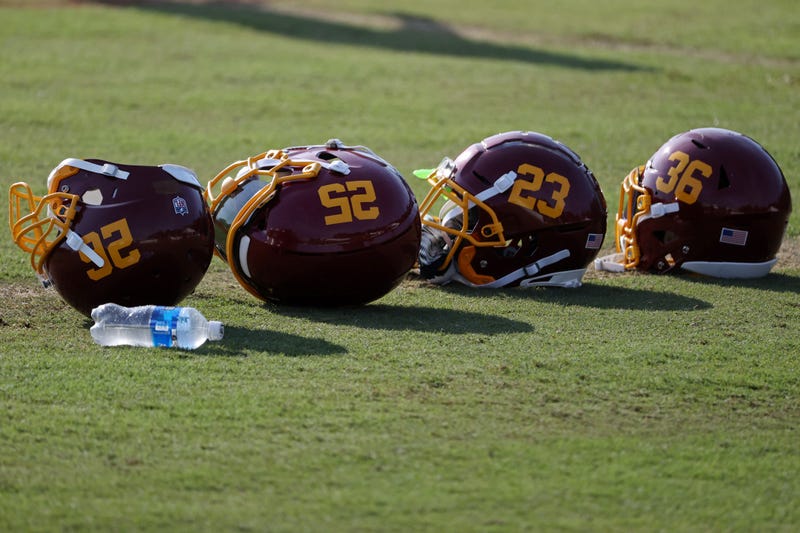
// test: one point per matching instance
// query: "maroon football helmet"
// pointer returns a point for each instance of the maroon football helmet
(710, 201)
(520, 209)
(321, 225)
(131, 235)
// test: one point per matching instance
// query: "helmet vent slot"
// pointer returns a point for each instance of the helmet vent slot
(327, 156)
(724, 182)
(482, 179)
(699, 144)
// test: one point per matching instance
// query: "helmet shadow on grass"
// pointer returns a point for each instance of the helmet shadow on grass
(238, 340)
(414, 34)
(379, 316)
(596, 296)
(773, 282)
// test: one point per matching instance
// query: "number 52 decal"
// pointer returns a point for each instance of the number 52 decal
(113, 253)
(349, 198)
(550, 207)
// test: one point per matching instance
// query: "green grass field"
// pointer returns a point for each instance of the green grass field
(635, 403)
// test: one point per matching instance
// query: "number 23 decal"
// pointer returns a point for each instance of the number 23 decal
(551, 207)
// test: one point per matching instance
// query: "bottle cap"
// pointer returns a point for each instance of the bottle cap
(215, 330)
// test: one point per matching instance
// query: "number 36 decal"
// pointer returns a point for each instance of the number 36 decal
(550, 207)
(684, 177)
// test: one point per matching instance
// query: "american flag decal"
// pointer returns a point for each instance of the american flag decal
(594, 241)
(733, 236)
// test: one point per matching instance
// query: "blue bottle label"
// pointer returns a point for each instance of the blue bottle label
(164, 326)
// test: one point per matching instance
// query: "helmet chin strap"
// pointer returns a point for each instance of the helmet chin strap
(449, 210)
(528, 271)
(108, 169)
(610, 263)
(76, 242)
(501, 185)
(569, 279)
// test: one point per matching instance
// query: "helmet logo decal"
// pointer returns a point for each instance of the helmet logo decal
(733, 236)
(92, 197)
(180, 206)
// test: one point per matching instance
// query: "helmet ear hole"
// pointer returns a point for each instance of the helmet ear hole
(665, 236)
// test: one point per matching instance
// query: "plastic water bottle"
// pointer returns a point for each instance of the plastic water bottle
(152, 325)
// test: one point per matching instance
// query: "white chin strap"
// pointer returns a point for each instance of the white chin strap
(610, 263)
(75, 242)
(450, 211)
(501, 185)
(565, 278)
(528, 271)
(107, 169)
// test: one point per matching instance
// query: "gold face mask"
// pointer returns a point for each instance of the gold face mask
(457, 217)
(39, 223)
(634, 203)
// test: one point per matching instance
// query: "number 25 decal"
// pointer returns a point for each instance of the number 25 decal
(683, 177)
(349, 198)
(113, 253)
(551, 207)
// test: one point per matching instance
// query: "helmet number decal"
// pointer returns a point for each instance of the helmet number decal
(114, 253)
(350, 199)
(684, 177)
(551, 207)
